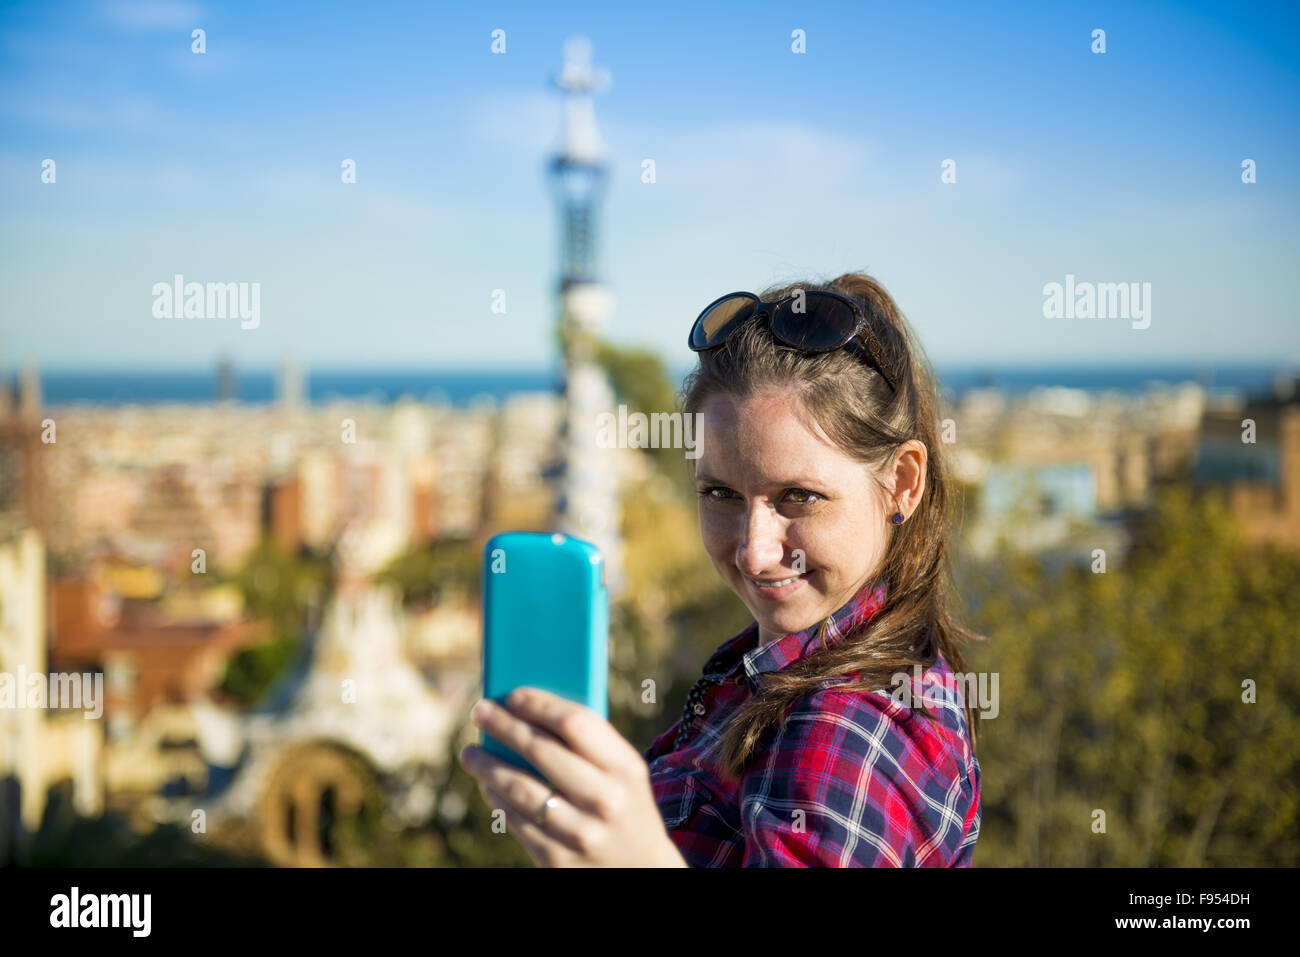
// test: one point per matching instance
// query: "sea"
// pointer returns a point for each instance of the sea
(461, 387)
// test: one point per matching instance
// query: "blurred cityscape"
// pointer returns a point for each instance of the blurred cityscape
(282, 598)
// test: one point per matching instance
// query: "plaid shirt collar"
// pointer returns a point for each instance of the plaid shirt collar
(742, 651)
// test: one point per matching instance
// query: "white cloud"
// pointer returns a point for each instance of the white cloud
(104, 110)
(752, 157)
(318, 189)
(524, 122)
(982, 174)
(147, 16)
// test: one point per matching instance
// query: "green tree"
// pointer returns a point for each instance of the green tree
(421, 574)
(281, 587)
(1128, 693)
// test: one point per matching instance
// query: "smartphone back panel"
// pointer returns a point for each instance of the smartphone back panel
(545, 623)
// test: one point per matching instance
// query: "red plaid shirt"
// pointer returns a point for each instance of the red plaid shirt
(855, 779)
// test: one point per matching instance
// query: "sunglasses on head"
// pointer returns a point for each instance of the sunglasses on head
(814, 320)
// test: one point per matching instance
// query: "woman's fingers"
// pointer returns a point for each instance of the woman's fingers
(576, 777)
(605, 812)
(579, 727)
(550, 843)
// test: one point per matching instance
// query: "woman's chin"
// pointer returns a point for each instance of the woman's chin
(785, 621)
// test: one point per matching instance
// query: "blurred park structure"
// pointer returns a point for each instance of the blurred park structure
(287, 622)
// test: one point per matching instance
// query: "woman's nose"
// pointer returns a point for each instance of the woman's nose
(762, 541)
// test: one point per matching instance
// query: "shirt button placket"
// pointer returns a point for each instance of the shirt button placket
(694, 707)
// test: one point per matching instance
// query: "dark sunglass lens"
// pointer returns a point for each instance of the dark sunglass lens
(825, 323)
(715, 322)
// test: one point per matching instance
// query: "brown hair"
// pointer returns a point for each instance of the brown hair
(860, 414)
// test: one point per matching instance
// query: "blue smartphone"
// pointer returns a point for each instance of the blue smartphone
(545, 623)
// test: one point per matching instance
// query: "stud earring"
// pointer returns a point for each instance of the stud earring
(897, 518)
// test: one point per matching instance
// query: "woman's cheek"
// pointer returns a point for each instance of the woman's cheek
(713, 529)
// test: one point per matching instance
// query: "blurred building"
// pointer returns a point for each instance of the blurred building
(519, 498)
(150, 651)
(40, 746)
(1062, 470)
(23, 479)
(1251, 447)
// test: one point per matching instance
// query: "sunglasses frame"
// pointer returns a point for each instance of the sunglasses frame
(872, 354)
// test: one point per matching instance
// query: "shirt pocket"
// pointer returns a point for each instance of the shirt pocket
(679, 792)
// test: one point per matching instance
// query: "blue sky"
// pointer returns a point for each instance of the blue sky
(771, 166)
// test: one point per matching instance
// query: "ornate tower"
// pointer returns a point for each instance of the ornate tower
(587, 504)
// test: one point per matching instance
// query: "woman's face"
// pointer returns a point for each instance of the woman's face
(778, 501)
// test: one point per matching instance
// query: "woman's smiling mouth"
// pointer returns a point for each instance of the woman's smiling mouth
(777, 587)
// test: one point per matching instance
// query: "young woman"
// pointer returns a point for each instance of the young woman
(833, 731)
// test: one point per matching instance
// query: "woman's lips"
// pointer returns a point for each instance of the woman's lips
(781, 592)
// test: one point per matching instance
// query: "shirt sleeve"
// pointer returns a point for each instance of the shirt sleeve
(854, 779)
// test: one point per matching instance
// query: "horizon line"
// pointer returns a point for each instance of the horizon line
(459, 369)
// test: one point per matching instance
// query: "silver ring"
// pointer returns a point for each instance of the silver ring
(540, 817)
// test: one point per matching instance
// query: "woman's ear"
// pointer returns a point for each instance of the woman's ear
(907, 477)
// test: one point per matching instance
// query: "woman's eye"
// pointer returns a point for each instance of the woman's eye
(802, 495)
(811, 496)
